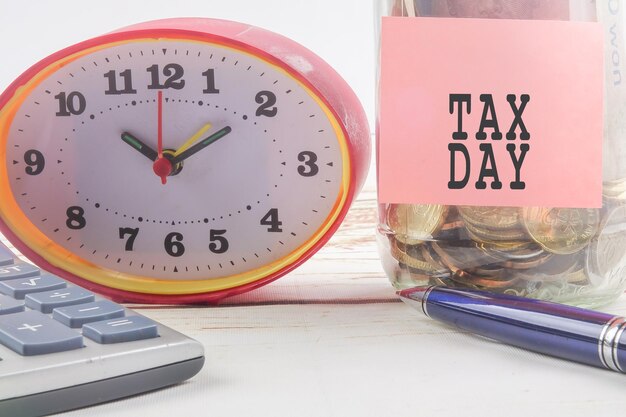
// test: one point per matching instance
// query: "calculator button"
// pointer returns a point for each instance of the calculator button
(47, 301)
(18, 271)
(18, 288)
(119, 330)
(32, 333)
(6, 256)
(10, 305)
(76, 316)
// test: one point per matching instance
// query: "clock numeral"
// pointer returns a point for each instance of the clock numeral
(35, 161)
(75, 218)
(126, 78)
(73, 103)
(310, 168)
(174, 74)
(266, 99)
(219, 243)
(210, 82)
(132, 232)
(271, 219)
(173, 244)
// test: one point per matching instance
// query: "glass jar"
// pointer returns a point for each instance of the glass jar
(569, 255)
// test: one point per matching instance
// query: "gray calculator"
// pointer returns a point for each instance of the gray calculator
(62, 347)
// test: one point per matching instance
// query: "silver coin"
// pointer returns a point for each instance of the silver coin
(606, 256)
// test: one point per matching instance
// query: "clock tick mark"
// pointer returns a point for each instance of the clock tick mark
(293, 234)
(268, 249)
(59, 82)
(68, 239)
(223, 59)
(275, 82)
(288, 91)
(94, 62)
(107, 59)
(256, 255)
(20, 130)
(83, 68)
(92, 116)
(262, 74)
(48, 92)
(55, 230)
(81, 246)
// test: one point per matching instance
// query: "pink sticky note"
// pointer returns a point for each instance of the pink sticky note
(557, 65)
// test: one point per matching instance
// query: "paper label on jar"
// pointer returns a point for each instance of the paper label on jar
(490, 112)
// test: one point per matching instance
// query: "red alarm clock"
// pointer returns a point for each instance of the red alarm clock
(178, 161)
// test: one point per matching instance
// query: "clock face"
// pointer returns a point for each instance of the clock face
(257, 165)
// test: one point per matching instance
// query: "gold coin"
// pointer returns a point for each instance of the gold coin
(465, 278)
(400, 254)
(458, 258)
(490, 217)
(528, 263)
(561, 230)
(492, 236)
(557, 268)
(415, 223)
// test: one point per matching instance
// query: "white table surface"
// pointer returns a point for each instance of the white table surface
(331, 338)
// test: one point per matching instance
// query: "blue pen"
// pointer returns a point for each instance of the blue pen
(559, 330)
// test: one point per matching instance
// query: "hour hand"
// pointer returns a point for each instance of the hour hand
(140, 146)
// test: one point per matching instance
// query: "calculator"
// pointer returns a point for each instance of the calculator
(63, 347)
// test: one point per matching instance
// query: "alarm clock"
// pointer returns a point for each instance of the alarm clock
(179, 160)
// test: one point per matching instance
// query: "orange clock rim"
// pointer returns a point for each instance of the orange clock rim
(44, 252)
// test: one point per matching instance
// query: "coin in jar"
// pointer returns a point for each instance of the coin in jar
(606, 256)
(561, 230)
(415, 223)
(488, 217)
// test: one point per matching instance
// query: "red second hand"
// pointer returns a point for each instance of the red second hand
(162, 166)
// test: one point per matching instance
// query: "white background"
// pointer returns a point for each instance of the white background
(339, 31)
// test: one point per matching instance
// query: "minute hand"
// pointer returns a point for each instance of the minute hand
(202, 144)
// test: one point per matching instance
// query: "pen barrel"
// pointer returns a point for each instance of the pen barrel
(564, 331)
